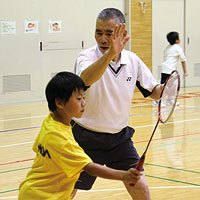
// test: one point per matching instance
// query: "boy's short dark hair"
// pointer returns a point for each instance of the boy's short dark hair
(61, 86)
(172, 37)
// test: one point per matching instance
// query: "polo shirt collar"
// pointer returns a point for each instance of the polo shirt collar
(123, 58)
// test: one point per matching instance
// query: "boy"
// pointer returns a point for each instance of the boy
(59, 159)
(172, 54)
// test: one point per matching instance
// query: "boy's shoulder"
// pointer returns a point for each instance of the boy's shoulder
(174, 47)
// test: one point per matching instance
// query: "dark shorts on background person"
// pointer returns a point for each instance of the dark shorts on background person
(164, 77)
(113, 150)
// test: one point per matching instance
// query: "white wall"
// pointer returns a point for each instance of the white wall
(181, 16)
(167, 15)
(22, 62)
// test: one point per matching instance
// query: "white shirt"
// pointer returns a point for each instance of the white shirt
(108, 100)
(172, 54)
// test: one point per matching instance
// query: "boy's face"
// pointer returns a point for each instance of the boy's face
(178, 41)
(75, 106)
(103, 32)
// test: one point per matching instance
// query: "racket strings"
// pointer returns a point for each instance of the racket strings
(169, 96)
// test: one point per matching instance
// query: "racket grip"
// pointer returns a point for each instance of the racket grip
(139, 166)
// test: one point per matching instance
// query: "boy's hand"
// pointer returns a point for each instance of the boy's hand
(185, 75)
(132, 176)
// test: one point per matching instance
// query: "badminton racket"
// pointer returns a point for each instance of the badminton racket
(166, 105)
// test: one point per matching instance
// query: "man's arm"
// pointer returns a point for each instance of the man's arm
(94, 72)
(157, 92)
(117, 42)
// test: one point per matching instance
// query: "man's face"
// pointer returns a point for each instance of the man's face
(104, 29)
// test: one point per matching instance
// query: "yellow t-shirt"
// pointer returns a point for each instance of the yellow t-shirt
(57, 166)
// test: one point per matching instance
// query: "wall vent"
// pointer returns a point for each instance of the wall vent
(16, 83)
(197, 70)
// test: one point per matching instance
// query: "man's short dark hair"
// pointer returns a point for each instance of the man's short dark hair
(172, 37)
(112, 13)
(61, 86)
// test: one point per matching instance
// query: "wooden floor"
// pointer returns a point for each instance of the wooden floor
(172, 164)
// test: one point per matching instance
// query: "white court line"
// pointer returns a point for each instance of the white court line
(176, 122)
(156, 106)
(10, 145)
(41, 116)
(15, 119)
(120, 189)
(181, 121)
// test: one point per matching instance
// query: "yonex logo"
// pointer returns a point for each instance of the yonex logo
(129, 78)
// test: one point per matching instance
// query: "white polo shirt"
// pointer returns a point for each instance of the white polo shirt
(172, 55)
(108, 100)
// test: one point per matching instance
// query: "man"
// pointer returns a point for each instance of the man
(111, 74)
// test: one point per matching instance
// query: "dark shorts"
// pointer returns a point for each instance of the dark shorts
(113, 150)
(164, 77)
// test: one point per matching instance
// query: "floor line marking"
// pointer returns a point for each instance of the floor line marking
(181, 121)
(176, 122)
(156, 146)
(22, 118)
(20, 129)
(172, 180)
(108, 190)
(173, 168)
(17, 144)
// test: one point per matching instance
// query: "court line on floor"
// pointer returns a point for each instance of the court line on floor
(42, 116)
(173, 168)
(20, 129)
(17, 144)
(172, 180)
(169, 144)
(119, 189)
(22, 118)
(145, 164)
(165, 138)
(18, 161)
(174, 122)
(155, 146)
(157, 139)
(177, 109)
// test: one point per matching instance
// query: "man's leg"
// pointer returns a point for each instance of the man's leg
(124, 156)
(140, 191)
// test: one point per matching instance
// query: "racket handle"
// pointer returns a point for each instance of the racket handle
(139, 166)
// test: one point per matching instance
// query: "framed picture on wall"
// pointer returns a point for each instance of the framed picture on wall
(31, 26)
(55, 26)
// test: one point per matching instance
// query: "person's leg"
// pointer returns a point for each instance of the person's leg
(124, 156)
(140, 190)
